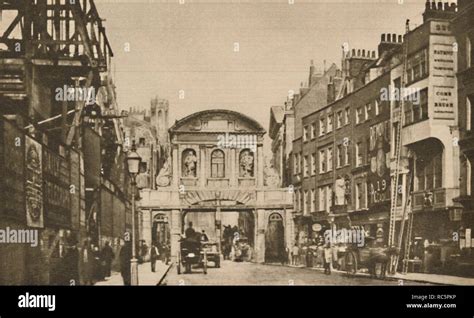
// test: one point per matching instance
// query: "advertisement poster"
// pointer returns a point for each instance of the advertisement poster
(34, 183)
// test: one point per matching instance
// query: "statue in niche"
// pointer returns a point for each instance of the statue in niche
(190, 162)
(246, 164)
(271, 175)
(164, 177)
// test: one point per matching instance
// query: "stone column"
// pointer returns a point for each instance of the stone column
(146, 226)
(260, 166)
(202, 165)
(260, 239)
(175, 229)
(176, 171)
(234, 172)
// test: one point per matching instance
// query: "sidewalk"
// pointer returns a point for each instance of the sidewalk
(145, 276)
(415, 277)
(435, 279)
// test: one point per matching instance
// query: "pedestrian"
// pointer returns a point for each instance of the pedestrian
(71, 260)
(327, 259)
(295, 255)
(87, 262)
(107, 256)
(154, 255)
(98, 272)
(283, 255)
(125, 257)
(190, 233)
(204, 237)
(166, 252)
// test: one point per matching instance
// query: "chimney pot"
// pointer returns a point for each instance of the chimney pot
(400, 38)
(358, 52)
(373, 54)
(389, 37)
(453, 7)
(382, 38)
(363, 53)
(433, 5)
(353, 52)
(394, 38)
(440, 5)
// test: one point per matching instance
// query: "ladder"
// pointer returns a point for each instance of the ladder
(406, 210)
(408, 240)
(398, 151)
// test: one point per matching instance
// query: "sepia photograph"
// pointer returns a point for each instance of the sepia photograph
(236, 143)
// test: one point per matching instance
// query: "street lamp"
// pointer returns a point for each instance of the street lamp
(133, 163)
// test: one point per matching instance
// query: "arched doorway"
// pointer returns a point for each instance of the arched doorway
(274, 239)
(160, 234)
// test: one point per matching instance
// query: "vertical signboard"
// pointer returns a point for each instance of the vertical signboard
(34, 183)
(74, 189)
(379, 152)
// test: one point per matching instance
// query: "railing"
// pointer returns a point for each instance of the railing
(433, 199)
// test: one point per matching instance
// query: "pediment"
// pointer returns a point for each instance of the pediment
(218, 121)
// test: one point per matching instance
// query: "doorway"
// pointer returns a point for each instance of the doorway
(275, 239)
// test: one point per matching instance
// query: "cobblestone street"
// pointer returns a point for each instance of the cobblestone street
(232, 273)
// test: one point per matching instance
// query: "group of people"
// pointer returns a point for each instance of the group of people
(191, 235)
(96, 263)
(323, 252)
(85, 266)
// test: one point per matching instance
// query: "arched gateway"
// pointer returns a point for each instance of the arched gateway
(216, 177)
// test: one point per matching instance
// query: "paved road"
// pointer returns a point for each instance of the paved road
(232, 273)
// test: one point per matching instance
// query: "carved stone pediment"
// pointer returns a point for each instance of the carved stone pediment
(218, 120)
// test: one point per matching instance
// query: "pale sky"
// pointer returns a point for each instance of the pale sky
(190, 47)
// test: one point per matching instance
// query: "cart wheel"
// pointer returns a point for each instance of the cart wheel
(351, 263)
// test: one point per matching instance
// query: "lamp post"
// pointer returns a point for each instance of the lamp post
(133, 163)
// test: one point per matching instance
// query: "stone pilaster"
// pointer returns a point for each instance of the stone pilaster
(260, 239)
(176, 171)
(175, 229)
(260, 166)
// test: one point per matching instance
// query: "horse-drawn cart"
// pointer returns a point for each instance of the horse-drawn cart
(212, 252)
(373, 258)
(191, 253)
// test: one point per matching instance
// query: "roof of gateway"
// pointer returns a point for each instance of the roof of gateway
(197, 118)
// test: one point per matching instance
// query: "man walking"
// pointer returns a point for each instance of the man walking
(107, 257)
(295, 253)
(154, 255)
(125, 257)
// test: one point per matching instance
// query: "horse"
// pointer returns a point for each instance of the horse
(383, 258)
(227, 237)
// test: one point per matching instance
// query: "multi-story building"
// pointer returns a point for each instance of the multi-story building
(322, 89)
(429, 124)
(345, 172)
(463, 29)
(344, 151)
(57, 178)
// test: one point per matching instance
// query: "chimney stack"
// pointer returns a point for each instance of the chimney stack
(439, 10)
